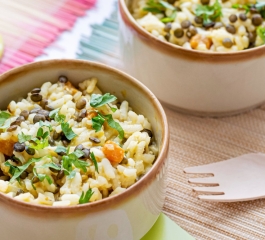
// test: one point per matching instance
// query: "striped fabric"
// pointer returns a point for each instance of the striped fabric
(27, 27)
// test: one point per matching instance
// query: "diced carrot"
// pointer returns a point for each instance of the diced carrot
(6, 147)
(194, 41)
(91, 114)
(70, 88)
(207, 42)
(113, 152)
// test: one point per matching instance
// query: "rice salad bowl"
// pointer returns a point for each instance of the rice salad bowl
(83, 153)
(199, 57)
(64, 146)
(205, 25)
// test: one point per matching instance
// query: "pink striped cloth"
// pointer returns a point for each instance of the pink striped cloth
(28, 27)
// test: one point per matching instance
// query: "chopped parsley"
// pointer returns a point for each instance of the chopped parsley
(16, 171)
(97, 123)
(73, 159)
(41, 177)
(98, 100)
(161, 7)
(61, 149)
(242, 6)
(94, 160)
(60, 118)
(209, 13)
(23, 137)
(261, 33)
(3, 117)
(158, 7)
(86, 197)
(67, 130)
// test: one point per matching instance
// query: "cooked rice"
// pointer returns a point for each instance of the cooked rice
(112, 178)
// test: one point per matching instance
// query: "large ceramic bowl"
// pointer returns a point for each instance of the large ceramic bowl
(197, 82)
(128, 215)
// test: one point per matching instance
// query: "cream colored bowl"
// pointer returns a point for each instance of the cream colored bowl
(128, 215)
(202, 83)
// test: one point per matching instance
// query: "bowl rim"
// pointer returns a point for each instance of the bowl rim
(136, 187)
(179, 51)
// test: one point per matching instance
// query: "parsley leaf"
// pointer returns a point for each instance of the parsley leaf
(93, 158)
(41, 177)
(23, 137)
(53, 113)
(17, 171)
(67, 130)
(114, 125)
(50, 165)
(86, 197)
(39, 143)
(3, 117)
(98, 100)
(46, 124)
(97, 122)
(158, 7)
(261, 33)
(209, 13)
(72, 159)
(242, 6)
(169, 19)
(61, 149)
(59, 118)
(260, 6)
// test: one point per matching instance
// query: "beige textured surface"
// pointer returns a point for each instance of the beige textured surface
(196, 141)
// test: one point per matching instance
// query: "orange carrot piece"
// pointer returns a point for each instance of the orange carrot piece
(91, 114)
(113, 152)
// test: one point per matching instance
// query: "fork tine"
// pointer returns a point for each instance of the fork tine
(208, 190)
(205, 180)
(216, 198)
(199, 169)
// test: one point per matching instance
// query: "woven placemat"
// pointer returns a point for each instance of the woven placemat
(197, 141)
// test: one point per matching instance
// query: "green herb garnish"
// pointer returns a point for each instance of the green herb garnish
(98, 100)
(261, 33)
(161, 7)
(41, 140)
(4, 122)
(158, 7)
(242, 6)
(73, 159)
(93, 158)
(60, 149)
(170, 18)
(3, 117)
(41, 177)
(260, 6)
(67, 130)
(23, 137)
(53, 113)
(16, 171)
(50, 165)
(97, 123)
(86, 197)
(209, 13)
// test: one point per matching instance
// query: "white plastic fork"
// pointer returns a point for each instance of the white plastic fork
(237, 179)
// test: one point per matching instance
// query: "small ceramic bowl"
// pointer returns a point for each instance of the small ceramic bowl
(128, 215)
(202, 83)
